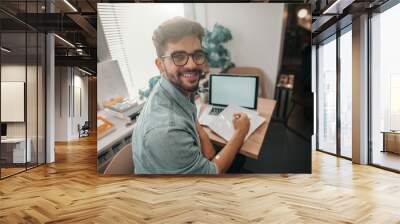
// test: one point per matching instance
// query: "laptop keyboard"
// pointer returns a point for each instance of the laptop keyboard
(216, 110)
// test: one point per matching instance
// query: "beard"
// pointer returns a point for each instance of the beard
(186, 80)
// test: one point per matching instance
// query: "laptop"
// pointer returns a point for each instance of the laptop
(226, 89)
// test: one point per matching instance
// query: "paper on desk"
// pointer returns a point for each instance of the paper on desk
(205, 118)
(223, 126)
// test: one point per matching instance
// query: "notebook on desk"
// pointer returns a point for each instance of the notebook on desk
(223, 125)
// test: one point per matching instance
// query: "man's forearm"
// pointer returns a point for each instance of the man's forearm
(224, 158)
(207, 147)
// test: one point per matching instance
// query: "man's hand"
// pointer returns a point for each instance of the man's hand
(241, 123)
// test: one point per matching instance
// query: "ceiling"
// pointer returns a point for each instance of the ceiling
(74, 21)
(331, 15)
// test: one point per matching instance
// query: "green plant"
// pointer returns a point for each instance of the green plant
(152, 82)
(218, 55)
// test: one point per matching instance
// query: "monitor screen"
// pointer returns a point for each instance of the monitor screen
(3, 129)
(234, 89)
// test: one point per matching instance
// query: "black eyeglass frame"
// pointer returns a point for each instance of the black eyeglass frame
(187, 57)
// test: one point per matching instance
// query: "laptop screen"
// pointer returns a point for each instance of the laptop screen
(234, 89)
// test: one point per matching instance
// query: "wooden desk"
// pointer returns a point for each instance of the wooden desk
(13, 150)
(391, 141)
(252, 146)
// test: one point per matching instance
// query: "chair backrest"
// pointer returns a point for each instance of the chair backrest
(122, 163)
(252, 71)
(86, 126)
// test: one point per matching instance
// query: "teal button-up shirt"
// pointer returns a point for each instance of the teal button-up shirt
(165, 139)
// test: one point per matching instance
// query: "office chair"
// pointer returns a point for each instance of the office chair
(84, 130)
(122, 163)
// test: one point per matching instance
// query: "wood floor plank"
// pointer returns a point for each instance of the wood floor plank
(71, 191)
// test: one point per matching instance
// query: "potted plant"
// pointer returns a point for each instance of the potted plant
(218, 56)
(152, 82)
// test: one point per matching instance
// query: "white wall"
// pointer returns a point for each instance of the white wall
(67, 115)
(360, 90)
(50, 93)
(79, 117)
(61, 103)
(256, 30)
(12, 100)
(33, 126)
(103, 52)
(12, 73)
(110, 83)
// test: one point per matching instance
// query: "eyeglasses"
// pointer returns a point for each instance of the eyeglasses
(180, 58)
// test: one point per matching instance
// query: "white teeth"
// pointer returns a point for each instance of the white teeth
(188, 74)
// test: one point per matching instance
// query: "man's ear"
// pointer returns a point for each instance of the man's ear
(159, 65)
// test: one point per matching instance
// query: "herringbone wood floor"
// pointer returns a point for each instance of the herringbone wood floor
(70, 191)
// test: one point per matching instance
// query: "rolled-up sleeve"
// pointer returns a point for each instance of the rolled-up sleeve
(171, 150)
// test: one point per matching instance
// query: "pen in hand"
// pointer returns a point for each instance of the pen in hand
(241, 122)
(236, 116)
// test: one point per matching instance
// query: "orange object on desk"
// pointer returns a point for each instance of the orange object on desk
(104, 128)
(111, 102)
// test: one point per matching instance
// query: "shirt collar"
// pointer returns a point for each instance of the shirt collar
(179, 98)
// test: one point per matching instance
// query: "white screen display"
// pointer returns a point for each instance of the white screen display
(237, 90)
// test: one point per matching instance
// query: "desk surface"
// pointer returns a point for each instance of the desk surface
(13, 140)
(391, 132)
(252, 146)
(121, 130)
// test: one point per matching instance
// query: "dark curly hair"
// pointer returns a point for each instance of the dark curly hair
(173, 30)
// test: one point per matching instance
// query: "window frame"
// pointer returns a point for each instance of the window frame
(333, 37)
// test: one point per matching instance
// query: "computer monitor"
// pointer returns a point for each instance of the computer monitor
(240, 90)
(3, 129)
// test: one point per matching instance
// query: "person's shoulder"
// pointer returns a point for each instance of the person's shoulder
(157, 111)
(158, 102)
(167, 129)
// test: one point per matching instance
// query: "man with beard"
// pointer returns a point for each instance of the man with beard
(167, 138)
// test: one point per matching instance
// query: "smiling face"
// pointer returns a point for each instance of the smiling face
(186, 78)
